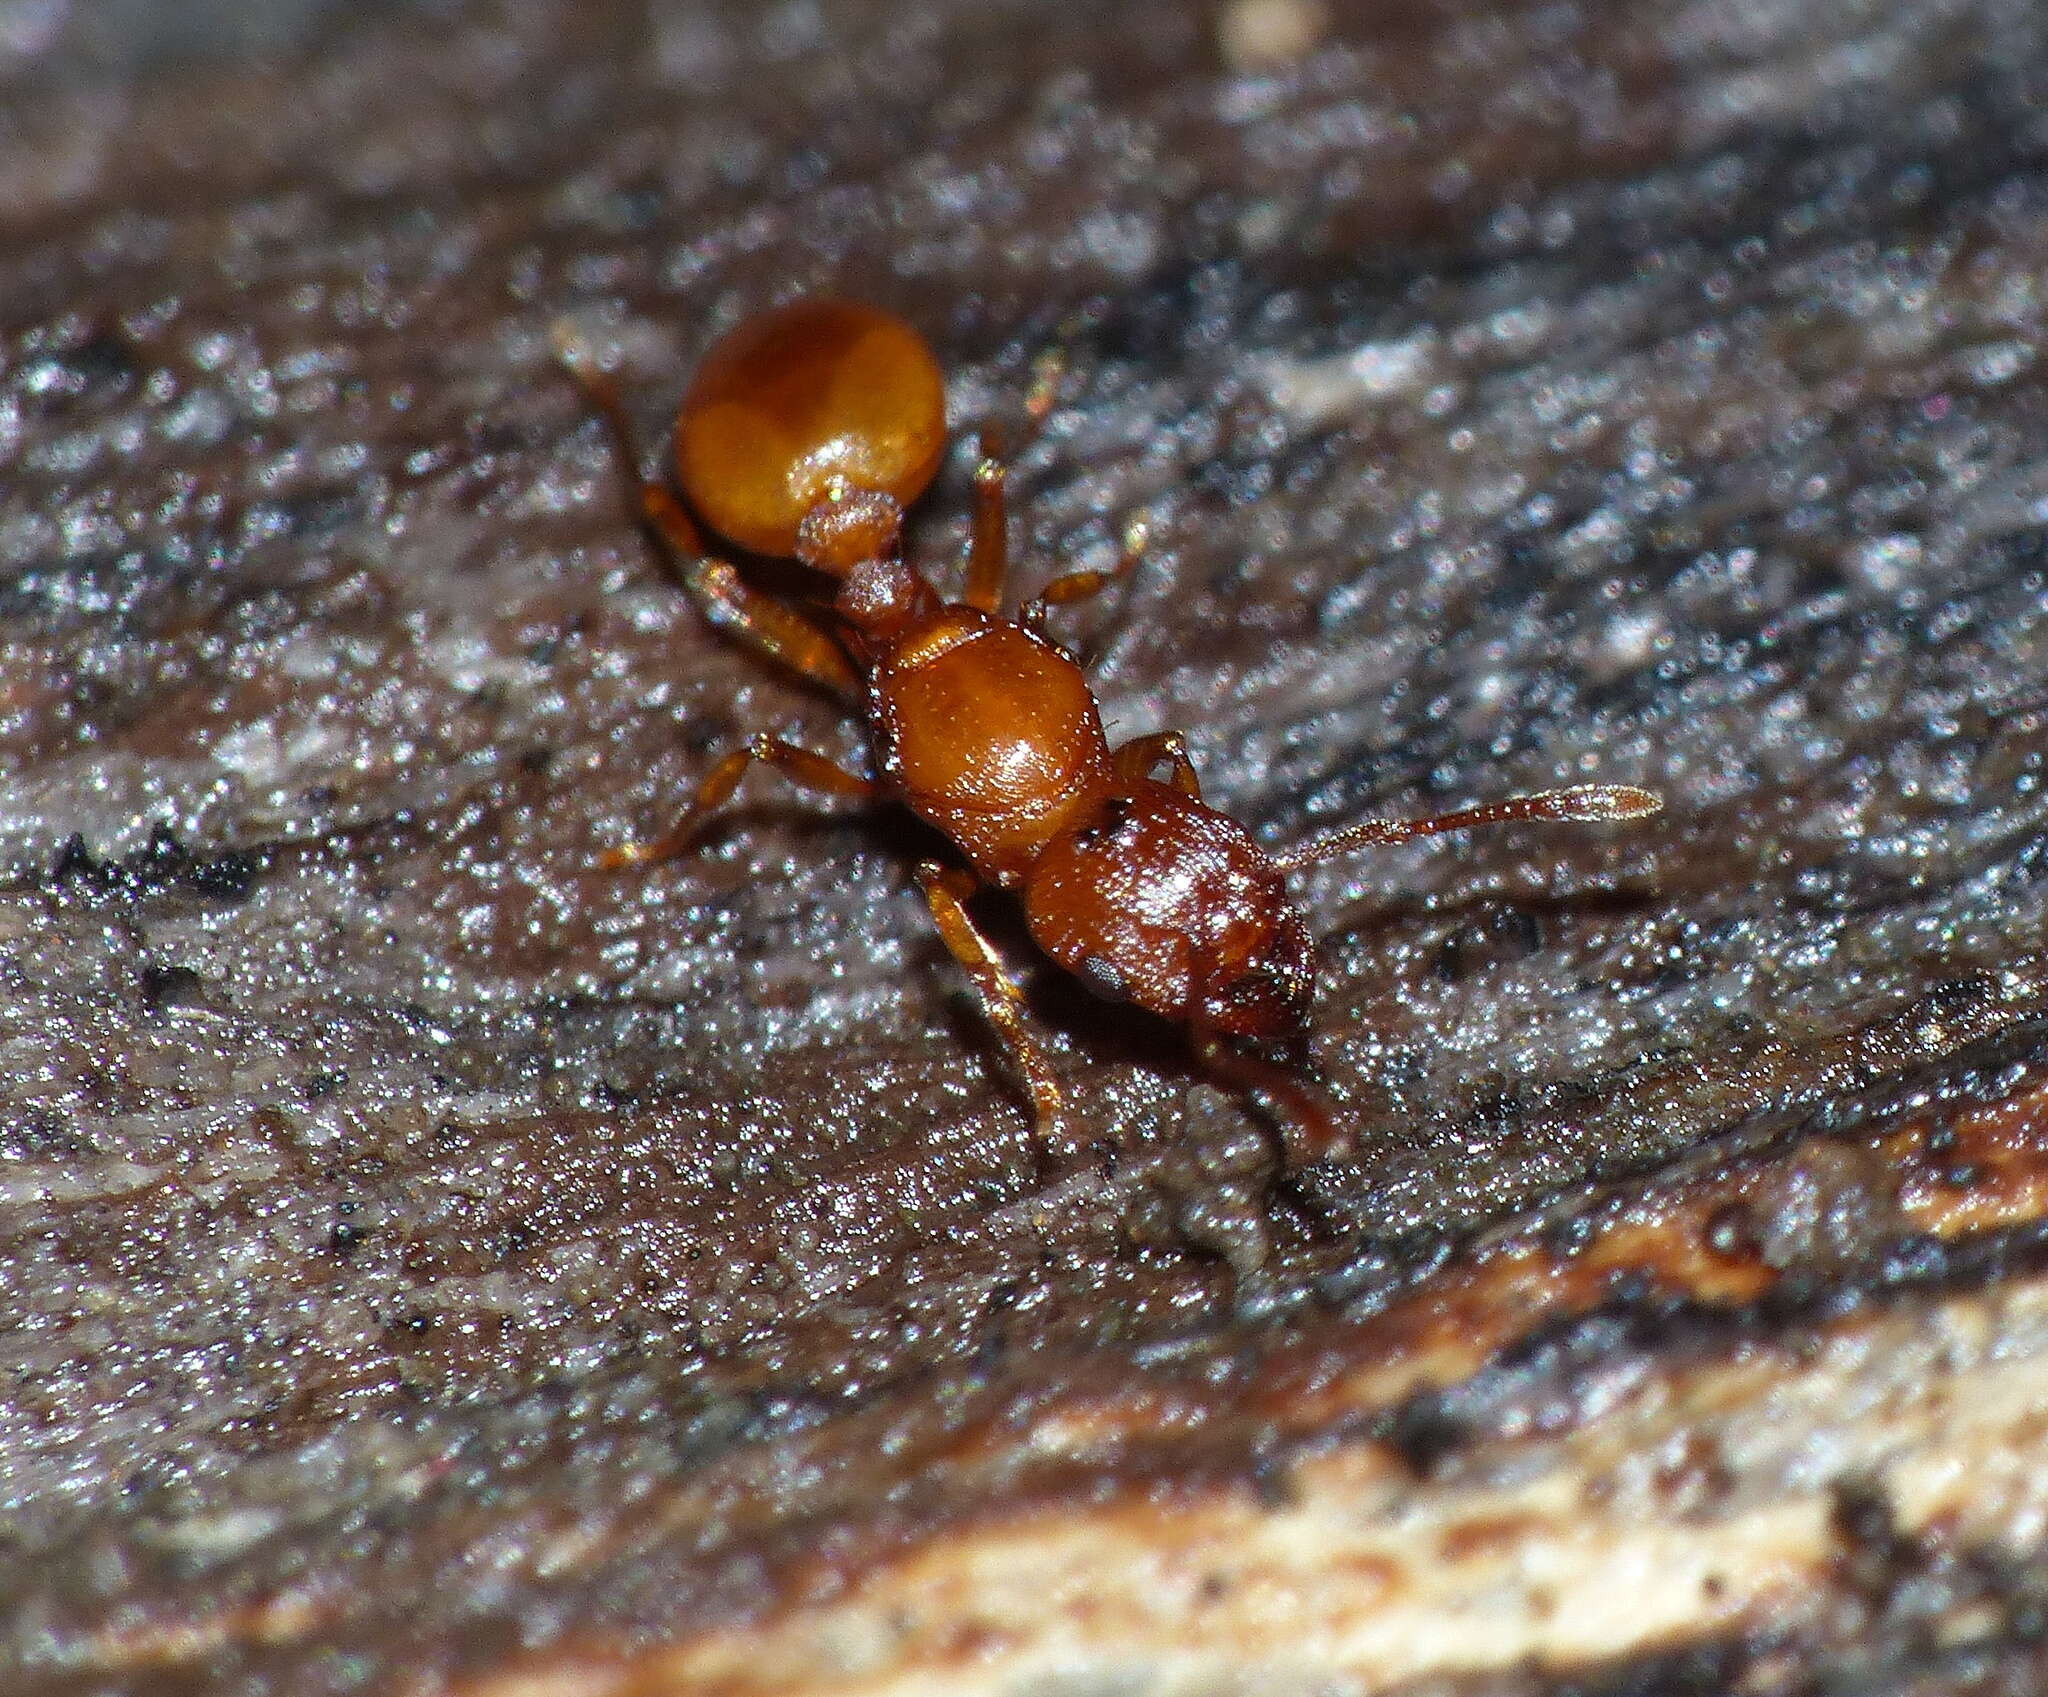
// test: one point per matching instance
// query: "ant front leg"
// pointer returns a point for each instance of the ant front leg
(946, 891)
(1141, 756)
(813, 771)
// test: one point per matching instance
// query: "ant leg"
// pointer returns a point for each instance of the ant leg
(768, 626)
(765, 624)
(946, 890)
(813, 771)
(1138, 757)
(1299, 1104)
(1065, 590)
(988, 551)
(988, 548)
(1048, 368)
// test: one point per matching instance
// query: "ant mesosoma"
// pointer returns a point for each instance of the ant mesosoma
(807, 432)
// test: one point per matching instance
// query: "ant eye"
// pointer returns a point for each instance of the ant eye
(1103, 978)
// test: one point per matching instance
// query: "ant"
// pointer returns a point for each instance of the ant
(807, 432)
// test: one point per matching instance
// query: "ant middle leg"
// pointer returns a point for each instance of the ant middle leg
(1071, 587)
(946, 890)
(1141, 756)
(812, 771)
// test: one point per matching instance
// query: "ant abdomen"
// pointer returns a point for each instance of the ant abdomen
(802, 406)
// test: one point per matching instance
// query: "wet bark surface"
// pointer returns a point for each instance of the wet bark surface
(428, 1260)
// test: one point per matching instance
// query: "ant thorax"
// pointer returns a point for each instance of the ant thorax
(990, 734)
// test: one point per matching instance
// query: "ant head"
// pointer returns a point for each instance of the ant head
(1157, 899)
(808, 405)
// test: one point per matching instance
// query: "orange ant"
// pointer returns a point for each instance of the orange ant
(807, 432)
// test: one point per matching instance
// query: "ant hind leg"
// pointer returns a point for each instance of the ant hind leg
(988, 547)
(769, 626)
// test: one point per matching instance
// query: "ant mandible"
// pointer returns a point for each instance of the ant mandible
(807, 432)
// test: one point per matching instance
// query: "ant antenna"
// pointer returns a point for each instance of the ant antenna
(1581, 804)
(1302, 1109)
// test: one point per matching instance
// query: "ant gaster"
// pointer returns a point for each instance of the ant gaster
(807, 432)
